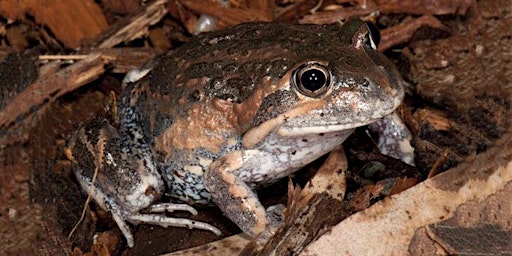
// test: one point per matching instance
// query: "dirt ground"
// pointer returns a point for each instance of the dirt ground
(60, 61)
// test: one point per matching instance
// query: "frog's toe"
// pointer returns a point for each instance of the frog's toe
(119, 217)
(164, 221)
(170, 207)
(275, 213)
(122, 216)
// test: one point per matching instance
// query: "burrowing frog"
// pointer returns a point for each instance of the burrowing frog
(231, 110)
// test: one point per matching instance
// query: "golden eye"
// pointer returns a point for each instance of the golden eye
(312, 79)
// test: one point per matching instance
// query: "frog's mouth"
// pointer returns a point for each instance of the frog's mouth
(293, 128)
(304, 130)
(295, 123)
(306, 124)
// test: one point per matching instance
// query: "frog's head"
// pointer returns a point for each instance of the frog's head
(347, 86)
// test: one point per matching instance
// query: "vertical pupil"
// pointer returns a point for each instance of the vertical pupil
(313, 79)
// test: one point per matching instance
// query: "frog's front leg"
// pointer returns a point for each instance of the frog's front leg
(226, 181)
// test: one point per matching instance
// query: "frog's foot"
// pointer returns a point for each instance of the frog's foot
(275, 214)
(395, 138)
(164, 221)
(169, 207)
(122, 216)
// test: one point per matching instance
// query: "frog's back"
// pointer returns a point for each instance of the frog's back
(226, 65)
(229, 64)
(240, 57)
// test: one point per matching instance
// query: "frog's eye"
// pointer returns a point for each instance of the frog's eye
(373, 37)
(312, 79)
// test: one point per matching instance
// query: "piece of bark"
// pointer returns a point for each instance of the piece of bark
(403, 32)
(484, 239)
(226, 15)
(367, 195)
(467, 78)
(300, 9)
(266, 7)
(159, 40)
(72, 21)
(121, 6)
(120, 60)
(16, 37)
(430, 7)
(51, 88)
(132, 27)
(328, 17)
(232, 245)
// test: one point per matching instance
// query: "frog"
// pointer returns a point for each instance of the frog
(228, 112)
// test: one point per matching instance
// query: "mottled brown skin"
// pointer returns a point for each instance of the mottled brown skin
(241, 107)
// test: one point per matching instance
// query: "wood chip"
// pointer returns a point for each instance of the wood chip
(72, 21)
